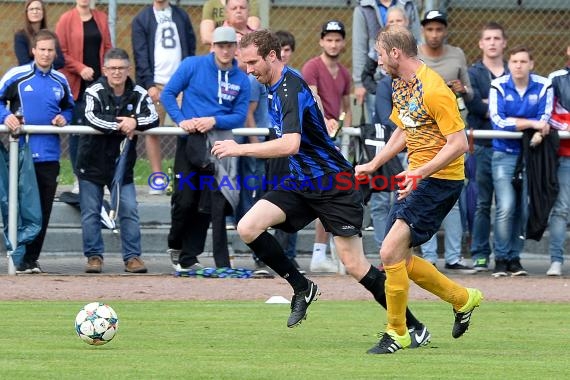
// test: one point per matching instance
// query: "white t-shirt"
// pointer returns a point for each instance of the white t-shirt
(167, 51)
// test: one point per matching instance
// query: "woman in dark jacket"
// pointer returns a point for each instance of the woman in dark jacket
(35, 18)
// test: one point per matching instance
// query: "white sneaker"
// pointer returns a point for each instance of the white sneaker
(555, 269)
(323, 266)
(75, 189)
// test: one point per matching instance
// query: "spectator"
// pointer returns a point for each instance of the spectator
(560, 120)
(395, 15)
(84, 37)
(330, 82)
(237, 15)
(367, 19)
(162, 36)
(117, 107)
(215, 97)
(381, 201)
(48, 103)
(450, 63)
(213, 16)
(517, 101)
(492, 43)
(35, 19)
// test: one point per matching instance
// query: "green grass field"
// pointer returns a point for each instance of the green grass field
(249, 340)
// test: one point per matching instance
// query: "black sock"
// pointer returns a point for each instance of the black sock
(373, 281)
(267, 248)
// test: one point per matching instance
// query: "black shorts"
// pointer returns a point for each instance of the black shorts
(339, 209)
(425, 208)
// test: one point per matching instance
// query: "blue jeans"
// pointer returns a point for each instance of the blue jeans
(380, 204)
(453, 235)
(91, 200)
(559, 215)
(480, 247)
(511, 216)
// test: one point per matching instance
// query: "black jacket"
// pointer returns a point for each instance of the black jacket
(478, 118)
(97, 153)
(143, 30)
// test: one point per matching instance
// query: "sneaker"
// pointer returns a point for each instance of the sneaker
(75, 189)
(157, 188)
(555, 269)
(192, 268)
(516, 269)
(24, 268)
(230, 226)
(323, 266)
(390, 343)
(481, 265)
(420, 336)
(135, 265)
(460, 267)
(463, 315)
(94, 264)
(300, 303)
(500, 269)
(174, 256)
(369, 228)
(35, 268)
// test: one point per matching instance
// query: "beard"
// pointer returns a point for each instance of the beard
(332, 56)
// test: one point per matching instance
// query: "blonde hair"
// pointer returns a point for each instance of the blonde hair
(399, 37)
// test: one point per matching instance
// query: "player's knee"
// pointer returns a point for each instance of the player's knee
(246, 231)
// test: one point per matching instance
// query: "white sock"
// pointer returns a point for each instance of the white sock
(319, 251)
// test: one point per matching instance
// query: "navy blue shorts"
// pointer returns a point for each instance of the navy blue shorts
(339, 208)
(425, 208)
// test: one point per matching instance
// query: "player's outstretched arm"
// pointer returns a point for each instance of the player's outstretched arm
(287, 145)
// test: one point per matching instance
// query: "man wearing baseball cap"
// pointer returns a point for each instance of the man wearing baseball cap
(331, 82)
(450, 63)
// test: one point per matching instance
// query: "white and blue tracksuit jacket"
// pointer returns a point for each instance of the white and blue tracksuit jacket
(41, 97)
(506, 104)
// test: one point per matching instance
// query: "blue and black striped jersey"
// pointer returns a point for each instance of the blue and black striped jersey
(293, 109)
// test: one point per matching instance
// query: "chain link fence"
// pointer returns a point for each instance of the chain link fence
(541, 25)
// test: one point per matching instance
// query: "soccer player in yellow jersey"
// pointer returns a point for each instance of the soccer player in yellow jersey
(430, 126)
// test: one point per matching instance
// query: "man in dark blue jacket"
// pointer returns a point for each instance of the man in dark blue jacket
(42, 95)
(492, 43)
(155, 63)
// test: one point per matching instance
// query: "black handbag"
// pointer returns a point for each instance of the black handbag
(372, 139)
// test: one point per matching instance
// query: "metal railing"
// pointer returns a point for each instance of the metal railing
(346, 134)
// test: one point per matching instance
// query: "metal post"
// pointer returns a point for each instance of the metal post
(13, 202)
(264, 6)
(113, 21)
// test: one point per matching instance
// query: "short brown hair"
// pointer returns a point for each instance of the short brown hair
(520, 49)
(264, 40)
(492, 25)
(399, 37)
(44, 35)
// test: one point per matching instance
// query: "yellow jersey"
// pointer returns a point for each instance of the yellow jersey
(426, 109)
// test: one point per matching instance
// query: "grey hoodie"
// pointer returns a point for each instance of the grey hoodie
(364, 38)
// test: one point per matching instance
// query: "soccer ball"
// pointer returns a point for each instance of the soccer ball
(96, 323)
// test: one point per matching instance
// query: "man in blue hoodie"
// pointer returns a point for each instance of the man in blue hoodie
(215, 99)
(43, 97)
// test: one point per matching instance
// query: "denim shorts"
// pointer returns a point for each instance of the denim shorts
(425, 208)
